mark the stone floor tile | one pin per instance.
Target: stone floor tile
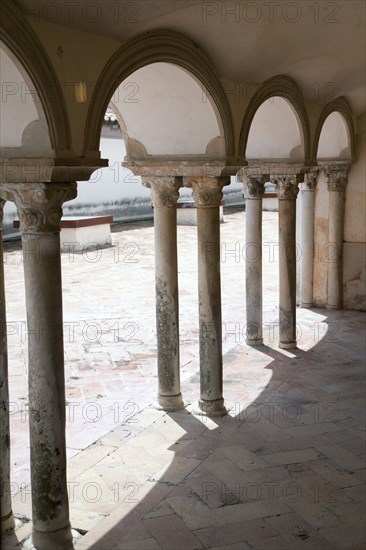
(347, 539)
(250, 510)
(177, 470)
(291, 457)
(195, 513)
(297, 532)
(313, 512)
(244, 458)
(252, 532)
(145, 544)
(235, 546)
(172, 533)
(357, 493)
(342, 457)
(334, 473)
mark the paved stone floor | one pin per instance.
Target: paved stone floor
(284, 470)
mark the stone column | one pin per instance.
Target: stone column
(287, 188)
(337, 183)
(207, 194)
(165, 193)
(307, 189)
(253, 187)
(39, 209)
(7, 519)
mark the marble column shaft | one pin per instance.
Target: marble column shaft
(207, 194)
(287, 187)
(307, 189)
(337, 183)
(40, 210)
(7, 519)
(165, 193)
(253, 187)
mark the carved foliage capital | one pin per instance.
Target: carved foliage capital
(253, 186)
(336, 180)
(164, 190)
(207, 192)
(310, 181)
(39, 205)
(287, 187)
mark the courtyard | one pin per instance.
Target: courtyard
(284, 469)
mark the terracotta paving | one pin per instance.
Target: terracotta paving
(285, 469)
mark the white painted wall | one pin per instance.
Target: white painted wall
(22, 132)
(333, 138)
(166, 110)
(274, 132)
(17, 108)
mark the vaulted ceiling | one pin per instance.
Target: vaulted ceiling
(321, 45)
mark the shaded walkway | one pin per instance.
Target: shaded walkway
(284, 470)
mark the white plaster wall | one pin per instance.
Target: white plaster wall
(333, 138)
(274, 132)
(166, 110)
(17, 106)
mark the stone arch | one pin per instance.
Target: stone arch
(284, 87)
(154, 47)
(340, 106)
(33, 61)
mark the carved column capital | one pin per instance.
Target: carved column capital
(336, 179)
(253, 186)
(39, 205)
(310, 181)
(207, 192)
(164, 190)
(287, 186)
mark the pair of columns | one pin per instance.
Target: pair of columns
(40, 209)
(207, 194)
(336, 179)
(287, 186)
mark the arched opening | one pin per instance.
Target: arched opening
(24, 130)
(275, 133)
(161, 112)
(166, 112)
(334, 139)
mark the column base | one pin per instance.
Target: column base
(287, 345)
(57, 540)
(255, 342)
(211, 408)
(303, 305)
(170, 403)
(7, 524)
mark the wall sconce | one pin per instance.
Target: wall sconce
(80, 92)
